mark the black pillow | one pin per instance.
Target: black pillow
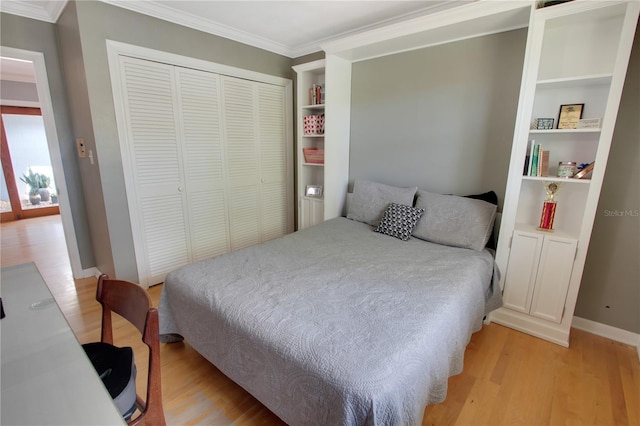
(399, 220)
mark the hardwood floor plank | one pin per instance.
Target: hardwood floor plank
(508, 378)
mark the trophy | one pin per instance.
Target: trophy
(549, 206)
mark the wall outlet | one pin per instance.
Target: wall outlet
(82, 149)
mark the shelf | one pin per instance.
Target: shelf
(313, 136)
(586, 80)
(313, 164)
(317, 106)
(313, 198)
(557, 179)
(565, 131)
(526, 227)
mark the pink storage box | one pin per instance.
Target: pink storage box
(313, 124)
(313, 155)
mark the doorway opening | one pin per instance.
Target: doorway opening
(28, 186)
(24, 80)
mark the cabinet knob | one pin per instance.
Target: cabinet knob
(179, 189)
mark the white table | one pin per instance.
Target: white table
(46, 377)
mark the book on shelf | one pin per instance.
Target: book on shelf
(316, 94)
(536, 163)
(543, 162)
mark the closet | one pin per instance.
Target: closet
(206, 159)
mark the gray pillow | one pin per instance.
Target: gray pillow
(370, 200)
(454, 221)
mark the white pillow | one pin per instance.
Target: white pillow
(454, 221)
(370, 200)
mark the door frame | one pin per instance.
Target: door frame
(46, 107)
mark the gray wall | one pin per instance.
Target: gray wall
(441, 118)
(85, 26)
(38, 36)
(610, 291)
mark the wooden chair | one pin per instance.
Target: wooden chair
(133, 303)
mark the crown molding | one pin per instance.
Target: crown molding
(169, 14)
(49, 11)
(160, 11)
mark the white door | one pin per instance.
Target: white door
(199, 101)
(205, 162)
(274, 196)
(155, 184)
(241, 144)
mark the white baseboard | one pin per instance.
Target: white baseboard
(613, 333)
(89, 272)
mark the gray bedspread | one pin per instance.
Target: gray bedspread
(335, 324)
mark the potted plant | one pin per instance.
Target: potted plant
(43, 190)
(38, 186)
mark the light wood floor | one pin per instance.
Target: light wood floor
(509, 378)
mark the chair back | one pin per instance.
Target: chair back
(134, 304)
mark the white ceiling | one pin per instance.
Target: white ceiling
(292, 28)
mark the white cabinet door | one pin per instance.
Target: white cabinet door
(554, 274)
(521, 270)
(538, 274)
(312, 212)
(153, 166)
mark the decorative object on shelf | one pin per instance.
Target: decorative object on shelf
(313, 155)
(549, 206)
(543, 123)
(589, 123)
(566, 169)
(314, 191)
(547, 3)
(569, 116)
(584, 170)
(313, 124)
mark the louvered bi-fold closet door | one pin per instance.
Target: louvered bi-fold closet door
(273, 160)
(156, 182)
(202, 147)
(255, 136)
(241, 146)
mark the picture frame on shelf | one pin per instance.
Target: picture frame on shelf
(569, 116)
(589, 123)
(543, 123)
(314, 191)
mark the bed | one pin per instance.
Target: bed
(335, 324)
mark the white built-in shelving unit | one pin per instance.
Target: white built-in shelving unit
(577, 53)
(310, 208)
